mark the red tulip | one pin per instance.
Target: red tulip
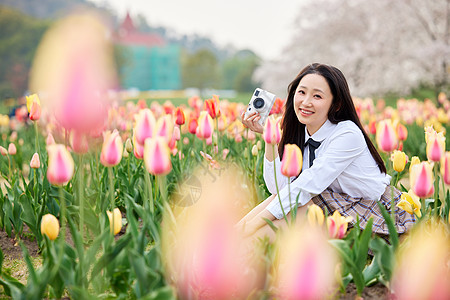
(179, 116)
(193, 125)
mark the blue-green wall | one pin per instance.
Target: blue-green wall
(156, 68)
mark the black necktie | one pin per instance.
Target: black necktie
(313, 145)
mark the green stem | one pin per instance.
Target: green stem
(36, 137)
(111, 195)
(276, 184)
(392, 205)
(148, 201)
(436, 188)
(80, 195)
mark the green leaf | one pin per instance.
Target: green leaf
(390, 224)
(271, 225)
(363, 245)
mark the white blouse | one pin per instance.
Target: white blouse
(343, 164)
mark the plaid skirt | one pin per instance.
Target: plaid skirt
(364, 209)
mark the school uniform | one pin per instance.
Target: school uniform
(343, 176)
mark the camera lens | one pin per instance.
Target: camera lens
(258, 103)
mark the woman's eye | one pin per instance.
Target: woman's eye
(318, 96)
(301, 92)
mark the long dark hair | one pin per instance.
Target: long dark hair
(341, 109)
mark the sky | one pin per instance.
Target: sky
(263, 26)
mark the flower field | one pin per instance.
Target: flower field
(141, 200)
(171, 182)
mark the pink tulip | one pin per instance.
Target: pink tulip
(157, 156)
(112, 149)
(50, 140)
(205, 126)
(3, 151)
(60, 164)
(272, 133)
(421, 179)
(225, 153)
(386, 136)
(292, 162)
(164, 127)
(435, 146)
(305, 267)
(12, 150)
(445, 168)
(337, 225)
(402, 132)
(144, 126)
(138, 149)
(79, 142)
(176, 133)
(35, 163)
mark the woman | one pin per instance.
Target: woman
(341, 170)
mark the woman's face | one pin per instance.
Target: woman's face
(312, 101)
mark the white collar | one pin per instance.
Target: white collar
(323, 132)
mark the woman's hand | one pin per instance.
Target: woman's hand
(252, 122)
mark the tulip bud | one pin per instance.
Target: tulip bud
(12, 150)
(115, 221)
(315, 215)
(179, 116)
(193, 126)
(435, 146)
(35, 162)
(128, 145)
(60, 164)
(144, 126)
(176, 135)
(112, 149)
(272, 134)
(31, 99)
(50, 226)
(386, 136)
(399, 160)
(292, 161)
(414, 161)
(421, 179)
(205, 126)
(3, 151)
(50, 140)
(402, 132)
(255, 150)
(35, 112)
(259, 145)
(445, 167)
(157, 156)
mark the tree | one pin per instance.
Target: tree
(237, 72)
(200, 70)
(381, 46)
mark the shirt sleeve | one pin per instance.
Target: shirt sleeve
(342, 149)
(269, 175)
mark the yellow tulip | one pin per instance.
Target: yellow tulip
(399, 160)
(50, 226)
(410, 203)
(414, 161)
(315, 215)
(117, 220)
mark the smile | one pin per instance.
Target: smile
(306, 112)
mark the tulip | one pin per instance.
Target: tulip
(179, 116)
(315, 215)
(337, 225)
(138, 149)
(35, 110)
(50, 226)
(116, 220)
(3, 151)
(60, 164)
(157, 156)
(386, 136)
(421, 179)
(304, 268)
(399, 160)
(34, 98)
(112, 149)
(435, 146)
(128, 145)
(402, 132)
(12, 150)
(205, 126)
(193, 126)
(212, 107)
(414, 161)
(13, 136)
(144, 126)
(410, 203)
(292, 161)
(176, 135)
(372, 127)
(35, 162)
(445, 167)
(79, 142)
(164, 127)
(225, 153)
(272, 133)
(50, 140)
(255, 150)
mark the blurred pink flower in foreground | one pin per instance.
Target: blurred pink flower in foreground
(423, 263)
(304, 268)
(60, 164)
(73, 70)
(292, 161)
